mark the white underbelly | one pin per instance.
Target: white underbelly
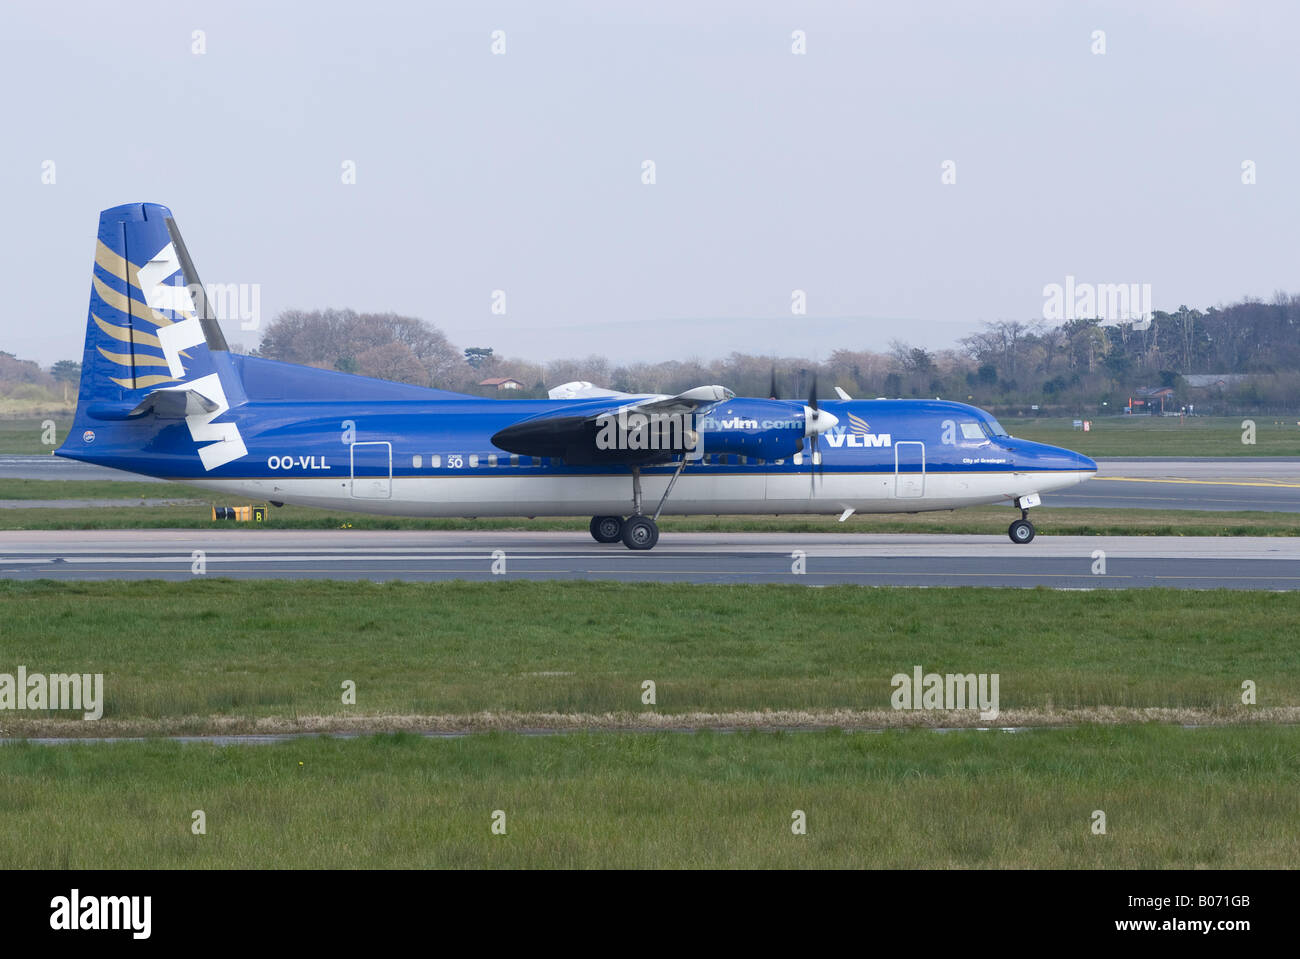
(542, 494)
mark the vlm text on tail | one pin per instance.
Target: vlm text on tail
(156, 374)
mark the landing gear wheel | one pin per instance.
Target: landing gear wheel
(1021, 531)
(607, 529)
(640, 532)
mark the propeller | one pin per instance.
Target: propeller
(772, 392)
(815, 425)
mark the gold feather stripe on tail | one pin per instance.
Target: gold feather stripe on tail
(128, 305)
(125, 359)
(119, 266)
(126, 334)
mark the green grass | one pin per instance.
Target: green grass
(125, 489)
(1173, 798)
(1164, 436)
(992, 520)
(180, 657)
(25, 434)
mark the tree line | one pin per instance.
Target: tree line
(1078, 366)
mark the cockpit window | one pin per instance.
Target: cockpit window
(994, 428)
(972, 431)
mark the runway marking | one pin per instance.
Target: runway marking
(1270, 484)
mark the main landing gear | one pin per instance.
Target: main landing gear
(1022, 531)
(637, 531)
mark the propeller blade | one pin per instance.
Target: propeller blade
(772, 391)
(815, 415)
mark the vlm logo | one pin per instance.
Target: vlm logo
(858, 435)
(223, 439)
(738, 423)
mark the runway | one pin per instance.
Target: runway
(1062, 562)
(1204, 483)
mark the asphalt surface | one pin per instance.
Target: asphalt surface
(864, 559)
(1206, 483)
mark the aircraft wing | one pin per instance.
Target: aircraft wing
(576, 437)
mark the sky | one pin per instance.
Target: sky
(522, 169)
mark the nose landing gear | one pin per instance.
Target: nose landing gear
(1022, 531)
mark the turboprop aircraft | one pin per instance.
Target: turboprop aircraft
(162, 394)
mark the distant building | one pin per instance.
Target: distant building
(1212, 381)
(502, 383)
(1153, 398)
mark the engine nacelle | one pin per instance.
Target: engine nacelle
(764, 429)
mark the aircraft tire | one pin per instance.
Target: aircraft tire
(607, 529)
(640, 532)
(1021, 531)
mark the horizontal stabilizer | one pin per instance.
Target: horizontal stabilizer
(175, 403)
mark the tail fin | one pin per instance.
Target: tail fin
(154, 348)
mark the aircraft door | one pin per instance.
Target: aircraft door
(909, 469)
(372, 470)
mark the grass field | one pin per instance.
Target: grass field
(123, 489)
(1164, 436)
(26, 434)
(219, 655)
(1173, 798)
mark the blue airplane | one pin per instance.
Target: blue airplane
(162, 395)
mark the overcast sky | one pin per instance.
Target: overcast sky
(774, 171)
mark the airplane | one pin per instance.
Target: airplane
(161, 394)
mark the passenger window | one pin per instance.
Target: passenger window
(492, 459)
(435, 461)
(473, 460)
(417, 461)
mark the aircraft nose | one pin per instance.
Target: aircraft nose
(1085, 463)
